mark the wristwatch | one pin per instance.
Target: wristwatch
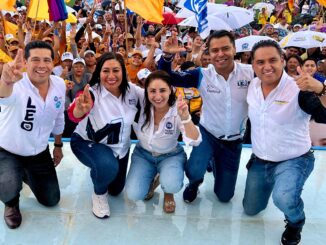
(60, 145)
(323, 92)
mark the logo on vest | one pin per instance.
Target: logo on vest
(243, 83)
(168, 128)
(212, 89)
(27, 124)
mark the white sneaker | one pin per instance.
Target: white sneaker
(101, 208)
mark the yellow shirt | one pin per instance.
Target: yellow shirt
(262, 18)
(192, 95)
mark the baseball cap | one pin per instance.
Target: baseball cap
(79, 60)
(67, 56)
(297, 25)
(12, 48)
(129, 36)
(23, 8)
(89, 52)
(98, 26)
(143, 73)
(11, 40)
(150, 33)
(137, 52)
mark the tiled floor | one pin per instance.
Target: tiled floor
(206, 221)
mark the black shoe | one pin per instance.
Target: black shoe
(191, 191)
(291, 235)
(12, 216)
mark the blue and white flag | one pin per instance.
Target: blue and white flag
(199, 7)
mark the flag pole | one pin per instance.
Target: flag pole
(126, 27)
(38, 4)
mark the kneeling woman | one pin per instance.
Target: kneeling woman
(160, 122)
(101, 141)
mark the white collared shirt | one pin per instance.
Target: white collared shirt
(26, 120)
(165, 138)
(279, 127)
(225, 109)
(109, 121)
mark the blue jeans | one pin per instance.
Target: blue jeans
(284, 179)
(226, 163)
(37, 171)
(144, 166)
(108, 173)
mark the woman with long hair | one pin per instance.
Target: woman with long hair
(105, 112)
(158, 127)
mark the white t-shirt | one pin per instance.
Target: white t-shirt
(279, 127)
(109, 121)
(26, 120)
(165, 138)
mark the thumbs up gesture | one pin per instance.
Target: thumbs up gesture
(182, 107)
(83, 102)
(12, 71)
(306, 82)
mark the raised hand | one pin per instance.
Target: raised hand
(171, 46)
(306, 82)
(182, 107)
(83, 102)
(12, 71)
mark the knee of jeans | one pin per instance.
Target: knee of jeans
(135, 195)
(222, 197)
(50, 200)
(284, 201)
(195, 170)
(116, 190)
(171, 186)
(250, 209)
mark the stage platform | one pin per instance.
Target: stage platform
(206, 221)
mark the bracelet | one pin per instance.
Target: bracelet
(323, 92)
(188, 120)
(60, 145)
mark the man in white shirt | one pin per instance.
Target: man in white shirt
(223, 87)
(31, 108)
(280, 109)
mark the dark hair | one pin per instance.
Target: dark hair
(266, 44)
(95, 80)
(172, 98)
(220, 34)
(297, 57)
(186, 65)
(309, 58)
(35, 45)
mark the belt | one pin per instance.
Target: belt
(263, 161)
(226, 137)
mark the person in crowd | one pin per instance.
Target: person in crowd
(158, 127)
(310, 66)
(32, 107)
(292, 62)
(222, 83)
(282, 160)
(105, 112)
(65, 66)
(262, 17)
(75, 81)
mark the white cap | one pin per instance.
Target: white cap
(23, 8)
(89, 52)
(19, 9)
(67, 56)
(79, 60)
(98, 26)
(143, 73)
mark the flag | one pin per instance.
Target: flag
(10, 28)
(151, 10)
(322, 2)
(291, 5)
(8, 5)
(200, 9)
(38, 9)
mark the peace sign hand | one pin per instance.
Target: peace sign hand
(83, 103)
(12, 71)
(182, 107)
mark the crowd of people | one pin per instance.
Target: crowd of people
(110, 78)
